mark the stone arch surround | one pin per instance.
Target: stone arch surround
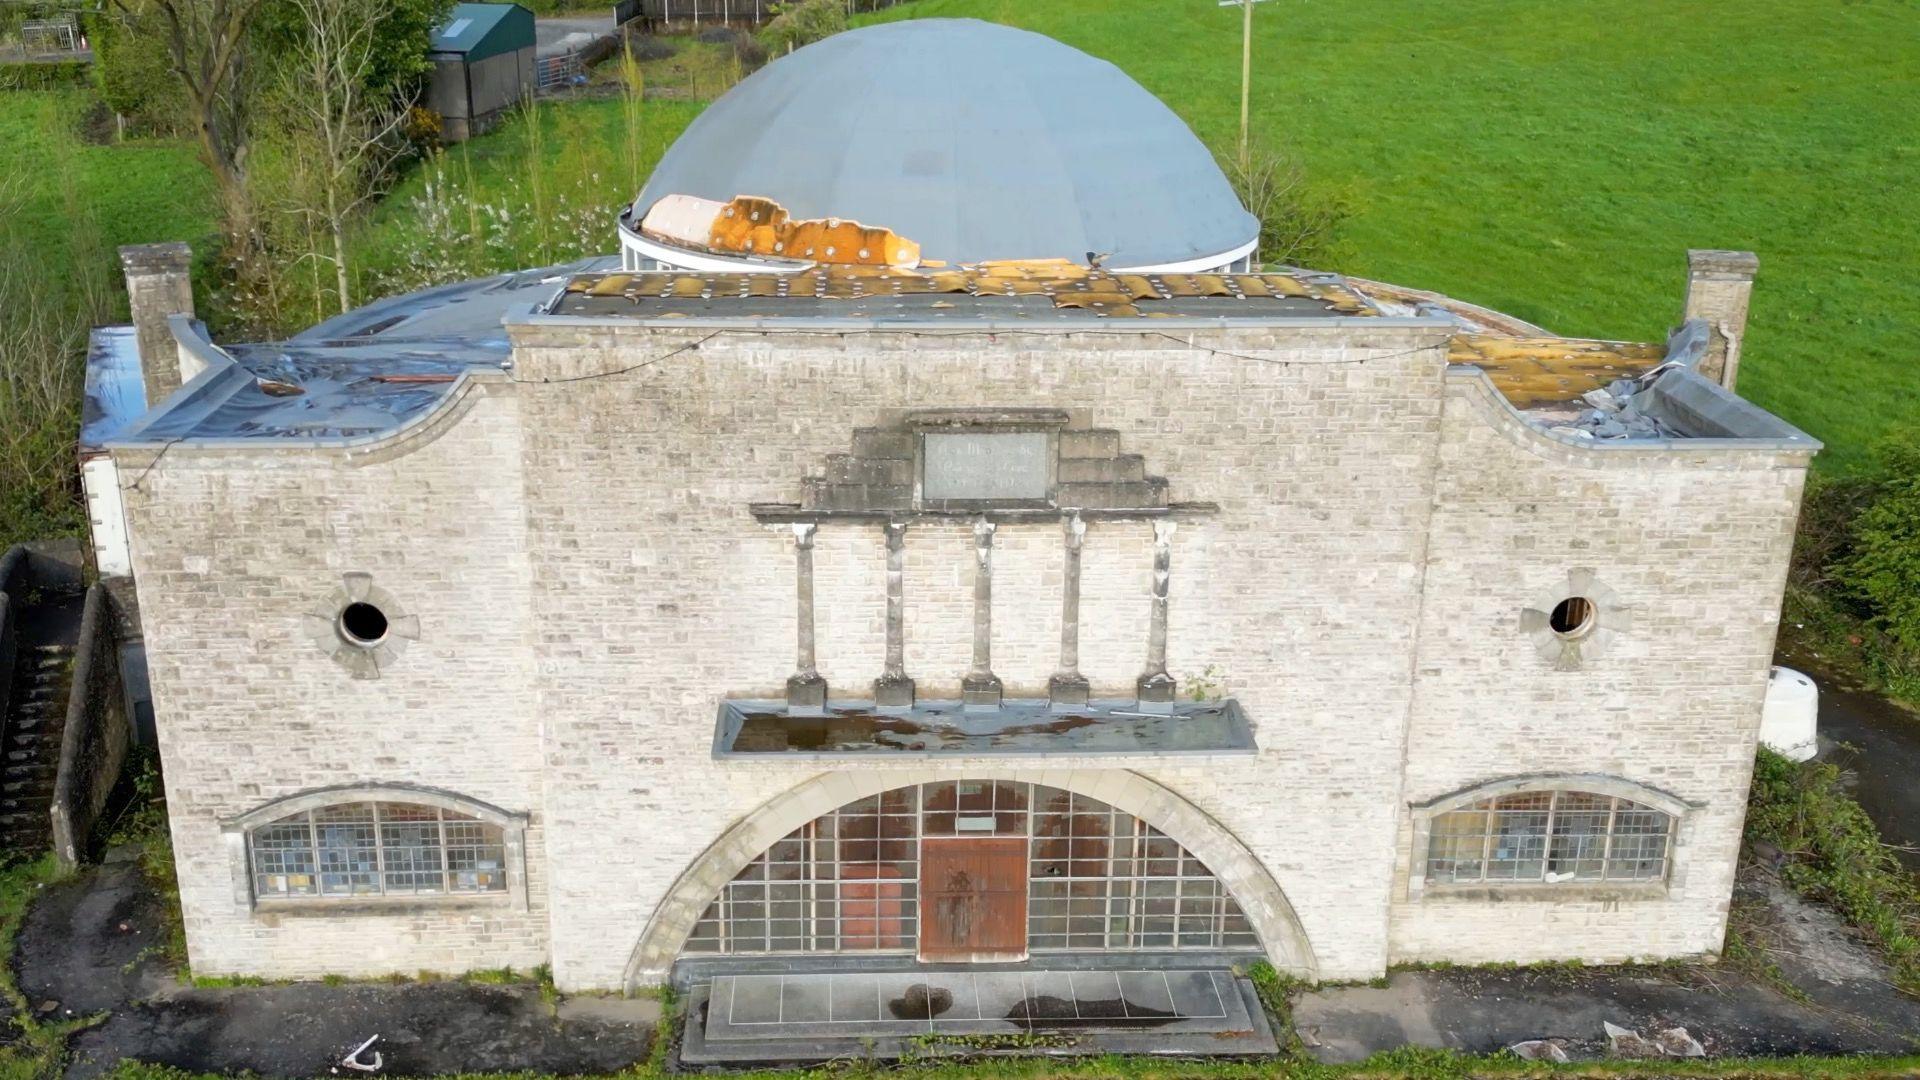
(1259, 895)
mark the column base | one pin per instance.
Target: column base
(893, 692)
(1156, 692)
(1067, 691)
(980, 692)
(806, 694)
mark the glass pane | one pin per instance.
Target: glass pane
(1455, 847)
(348, 852)
(1579, 846)
(283, 859)
(1518, 850)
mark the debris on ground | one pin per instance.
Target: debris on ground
(1540, 1050)
(1676, 1042)
(352, 1061)
(1667, 1042)
(1628, 1043)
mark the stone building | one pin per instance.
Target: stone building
(999, 573)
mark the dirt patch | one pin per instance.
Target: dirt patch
(91, 945)
(1837, 998)
(305, 1029)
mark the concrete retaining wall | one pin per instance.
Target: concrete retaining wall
(12, 579)
(94, 745)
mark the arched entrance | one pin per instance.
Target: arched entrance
(989, 867)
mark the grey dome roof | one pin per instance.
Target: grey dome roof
(977, 141)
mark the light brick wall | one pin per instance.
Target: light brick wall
(590, 583)
(660, 593)
(1695, 545)
(231, 550)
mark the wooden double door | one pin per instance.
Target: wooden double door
(973, 899)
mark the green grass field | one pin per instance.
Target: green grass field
(78, 198)
(1555, 159)
(1549, 159)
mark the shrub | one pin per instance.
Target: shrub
(646, 47)
(719, 35)
(43, 76)
(1881, 568)
(1834, 854)
(749, 53)
(132, 74)
(803, 22)
(1299, 221)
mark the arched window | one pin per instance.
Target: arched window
(869, 877)
(377, 849)
(377, 842)
(1547, 835)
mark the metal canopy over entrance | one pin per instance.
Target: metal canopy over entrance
(971, 871)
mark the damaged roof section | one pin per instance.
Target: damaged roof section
(755, 226)
(356, 375)
(1535, 371)
(1045, 289)
(372, 370)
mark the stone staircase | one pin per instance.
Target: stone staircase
(30, 746)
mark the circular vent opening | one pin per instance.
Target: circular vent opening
(363, 624)
(1572, 617)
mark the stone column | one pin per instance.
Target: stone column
(806, 689)
(1068, 688)
(981, 689)
(1719, 284)
(1156, 688)
(159, 284)
(893, 690)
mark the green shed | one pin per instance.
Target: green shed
(482, 66)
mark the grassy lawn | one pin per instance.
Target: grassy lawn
(81, 200)
(1555, 160)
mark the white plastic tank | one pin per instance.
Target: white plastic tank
(1789, 723)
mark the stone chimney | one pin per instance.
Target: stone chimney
(1719, 284)
(159, 285)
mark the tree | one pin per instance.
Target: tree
(338, 117)
(207, 49)
(398, 64)
(1883, 570)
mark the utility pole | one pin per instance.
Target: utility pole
(1246, 70)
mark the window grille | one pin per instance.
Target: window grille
(1551, 837)
(1098, 878)
(372, 849)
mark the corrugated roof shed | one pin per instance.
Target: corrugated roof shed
(477, 31)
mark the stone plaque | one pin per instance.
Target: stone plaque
(980, 466)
